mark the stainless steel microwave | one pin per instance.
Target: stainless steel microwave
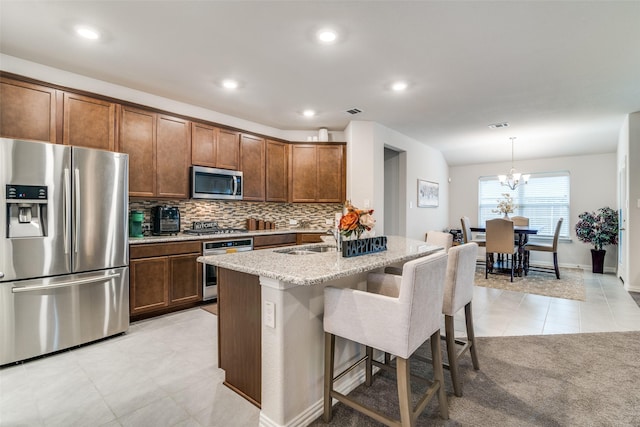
(213, 183)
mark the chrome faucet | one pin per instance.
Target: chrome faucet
(335, 232)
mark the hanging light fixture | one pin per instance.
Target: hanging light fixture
(513, 179)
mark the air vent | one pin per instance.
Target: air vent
(354, 111)
(499, 125)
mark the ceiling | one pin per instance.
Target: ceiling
(562, 74)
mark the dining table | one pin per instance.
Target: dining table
(523, 233)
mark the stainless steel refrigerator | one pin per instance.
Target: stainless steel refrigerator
(64, 251)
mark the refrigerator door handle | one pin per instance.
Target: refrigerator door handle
(76, 189)
(65, 215)
(19, 289)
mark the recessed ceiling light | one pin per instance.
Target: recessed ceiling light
(230, 84)
(399, 86)
(327, 36)
(87, 32)
(309, 113)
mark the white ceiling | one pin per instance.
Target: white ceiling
(563, 74)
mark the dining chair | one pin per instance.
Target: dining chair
(396, 314)
(500, 241)
(544, 247)
(520, 221)
(466, 232)
(458, 293)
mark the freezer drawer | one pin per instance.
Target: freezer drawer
(46, 315)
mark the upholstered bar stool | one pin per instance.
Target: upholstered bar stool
(396, 314)
(458, 293)
(436, 238)
(439, 238)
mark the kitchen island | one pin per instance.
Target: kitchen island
(270, 332)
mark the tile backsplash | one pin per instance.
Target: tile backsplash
(234, 214)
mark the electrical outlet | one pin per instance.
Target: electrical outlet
(270, 314)
(293, 222)
(328, 222)
(146, 226)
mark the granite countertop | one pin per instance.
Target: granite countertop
(305, 270)
(181, 237)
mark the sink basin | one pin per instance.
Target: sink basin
(309, 251)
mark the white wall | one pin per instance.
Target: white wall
(593, 185)
(365, 179)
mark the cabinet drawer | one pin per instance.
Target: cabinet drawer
(147, 250)
(274, 240)
(309, 238)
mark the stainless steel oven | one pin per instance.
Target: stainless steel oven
(219, 247)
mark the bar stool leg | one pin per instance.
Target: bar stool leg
(438, 374)
(369, 367)
(329, 347)
(452, 355)
(404, 392)
(471, 336)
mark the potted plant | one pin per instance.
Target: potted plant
(600, 228)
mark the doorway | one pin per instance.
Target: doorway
(394, 192)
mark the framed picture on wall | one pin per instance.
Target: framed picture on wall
(428, 194)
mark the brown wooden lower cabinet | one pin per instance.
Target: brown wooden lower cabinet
(164, 277)
(274, 240)
(239, 332)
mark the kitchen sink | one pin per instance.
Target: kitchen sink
(308, 251)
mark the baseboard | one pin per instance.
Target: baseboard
(314, 411)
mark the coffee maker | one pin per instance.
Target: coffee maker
(166, 220)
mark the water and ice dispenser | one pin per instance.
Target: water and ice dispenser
(26, 211)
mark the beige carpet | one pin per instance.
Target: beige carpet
(570, 285)
(573, 380)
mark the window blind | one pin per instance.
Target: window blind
(544, 200)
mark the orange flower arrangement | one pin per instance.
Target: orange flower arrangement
(356, 220)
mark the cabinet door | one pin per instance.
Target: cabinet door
(186, 279)
(89, 122)
(138, 140)
(228, 154)
(303, 176)
(204, 145)
(252, 166)
(276, 171)
(173, 157)
(330, 174)
(149, 287)
(27, 111)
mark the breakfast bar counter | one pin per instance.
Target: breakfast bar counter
(270, 332)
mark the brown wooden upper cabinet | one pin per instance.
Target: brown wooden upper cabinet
(159, 150)
(252, 165)
(277, 165)
(228, 154)
(173, 157)
(317, 173)
(89, 122)
(214, 147)
(27, 111)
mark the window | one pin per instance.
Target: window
(544, 200)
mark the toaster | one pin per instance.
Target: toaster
(166, 220)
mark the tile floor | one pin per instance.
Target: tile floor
(163, 372)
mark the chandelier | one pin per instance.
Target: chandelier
(513, 179)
